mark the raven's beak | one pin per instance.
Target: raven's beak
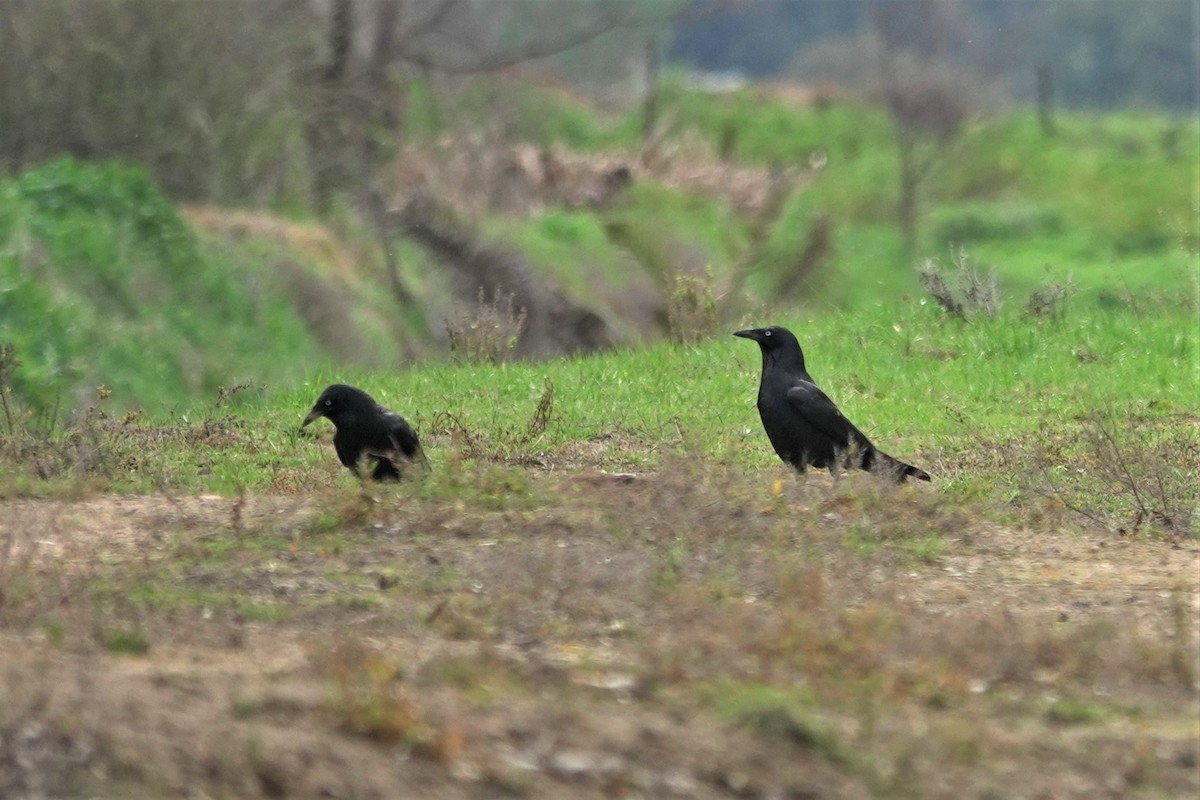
(312, 415)
(750, 333)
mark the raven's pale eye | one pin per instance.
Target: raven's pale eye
(328, 403)
(766, 333)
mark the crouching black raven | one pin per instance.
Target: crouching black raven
(803, 424)
(367, 429)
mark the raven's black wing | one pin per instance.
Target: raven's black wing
(404, 436)
(820, 412)
(402, 442)
(807, 400)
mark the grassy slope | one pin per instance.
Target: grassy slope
(104, 283)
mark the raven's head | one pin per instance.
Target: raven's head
(338, 402)
(778, 345)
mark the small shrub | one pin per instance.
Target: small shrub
(490, 334)
(964, 293)
(368, 697)
(778, 714)
(43, 447)
(691, 309)
(1050, 301)
(132, 643)
(1075, 712)
(1125, 474)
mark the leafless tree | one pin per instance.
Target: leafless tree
(926, 99)
(363, 91)
(229, 100)
(202, 95)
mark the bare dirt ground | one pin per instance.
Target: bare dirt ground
(602, 637)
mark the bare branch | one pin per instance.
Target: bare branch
(468, 57)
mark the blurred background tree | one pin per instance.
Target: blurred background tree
(278, 101)
(1104, 53)
(289, 101)
(286, 102)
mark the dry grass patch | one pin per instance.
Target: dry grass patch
(695, 631)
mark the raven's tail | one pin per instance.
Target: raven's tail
(898, 469)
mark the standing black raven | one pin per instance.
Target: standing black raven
(365, 428)
(803, 424)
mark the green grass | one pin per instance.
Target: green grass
(769, 711)
(983, 406)
(1082, 204)
(1069, 711)
(126, 642)
(1106, 204)
(1006, 375)
(1107, 201)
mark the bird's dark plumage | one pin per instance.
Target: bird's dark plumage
(803, 424)
(367, 429)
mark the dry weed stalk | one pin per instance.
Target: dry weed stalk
(966, 292)
(511, 444)
(9, 363)
(490, 334)
(1133, 476)
(1050, 300)
(541, 415)
(691, 309)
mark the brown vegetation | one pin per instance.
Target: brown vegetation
(589, 636)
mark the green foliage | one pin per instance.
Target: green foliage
(778, 713)
(66, 190)
(101, 281)
(1107, 201)
(570, 247)
(1069, 711)
(975, 222)
(126, 642)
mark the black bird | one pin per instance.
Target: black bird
(803, 424)
(365, 428)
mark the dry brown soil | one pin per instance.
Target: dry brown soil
(586, 647)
